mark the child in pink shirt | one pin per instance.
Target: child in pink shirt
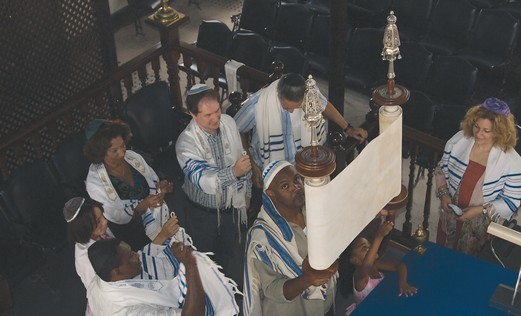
(363, 255)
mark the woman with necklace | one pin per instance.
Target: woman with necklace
(128, 188)
(478, 179)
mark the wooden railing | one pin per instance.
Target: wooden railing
(105, 99)
(209, 63)
(425, 151)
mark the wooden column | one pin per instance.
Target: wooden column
(337, 53)
(169, 36)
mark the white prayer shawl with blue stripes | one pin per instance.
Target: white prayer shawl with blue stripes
(120, 211)
(271, 241)
(199, 165)
(281, 134)
(502, 178)
(160, 289)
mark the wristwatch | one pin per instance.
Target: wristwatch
(348, 127)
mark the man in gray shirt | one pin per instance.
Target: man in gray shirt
(277, 277)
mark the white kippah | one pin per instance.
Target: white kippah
(272, 170)
(72, 208)
(198, 88)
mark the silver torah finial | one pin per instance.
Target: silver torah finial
(391, 42)
(311, 108)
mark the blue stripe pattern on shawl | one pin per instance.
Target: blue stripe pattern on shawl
(287, 233)
(194, 170)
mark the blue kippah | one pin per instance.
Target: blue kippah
(93, 127)
(198, 88)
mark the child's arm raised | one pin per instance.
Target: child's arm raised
(361, 275)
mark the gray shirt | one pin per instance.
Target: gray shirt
(272, 282)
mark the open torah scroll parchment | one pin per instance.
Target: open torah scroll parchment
(338, 211)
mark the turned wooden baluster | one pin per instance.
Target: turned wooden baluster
(428, 194)
(407, 225)
(156, 68)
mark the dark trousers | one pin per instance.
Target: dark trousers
(202, 227)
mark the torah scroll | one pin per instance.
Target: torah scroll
(338, 211)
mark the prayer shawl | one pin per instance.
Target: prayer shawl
(120, 211)
(160, 289)
(81, 259)
(281, 134)
(502, 178)
(196, 159)
(230, 69)
(271, 241)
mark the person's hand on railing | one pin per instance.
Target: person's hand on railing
(357, 133)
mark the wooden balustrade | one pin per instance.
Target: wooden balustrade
(425, 151)
(104, 99)
(210, 66)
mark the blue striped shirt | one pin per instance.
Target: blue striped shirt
(224, 175)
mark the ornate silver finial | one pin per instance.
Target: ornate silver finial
(391, 39)
(391, 50)
(311, 108)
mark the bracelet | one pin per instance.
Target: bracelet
(348, 127)
(442, 192)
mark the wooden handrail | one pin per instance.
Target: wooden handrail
(190, 51)
(426, 140)
(431, 148)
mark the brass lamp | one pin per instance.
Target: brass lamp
(166, 14)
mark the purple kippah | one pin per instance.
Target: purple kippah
(497, 106)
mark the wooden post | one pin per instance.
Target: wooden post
(169, 36)
(337, 53)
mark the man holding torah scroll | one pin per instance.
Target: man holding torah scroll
(277, 277)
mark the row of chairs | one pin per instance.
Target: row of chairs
(489, 47)
(483, 33)
(244, 46)
(32, 199)
(372, 13)
(438, 86)
(486, 37)
(301, 24)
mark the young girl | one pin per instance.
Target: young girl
(86, 224)
(363, 256)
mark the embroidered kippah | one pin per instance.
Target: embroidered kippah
(72, 208)
(93, 127)
(497, 106)
(198, 88)
(272, 170)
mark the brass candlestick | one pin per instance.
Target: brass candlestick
(166, 14)
(420, 236)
